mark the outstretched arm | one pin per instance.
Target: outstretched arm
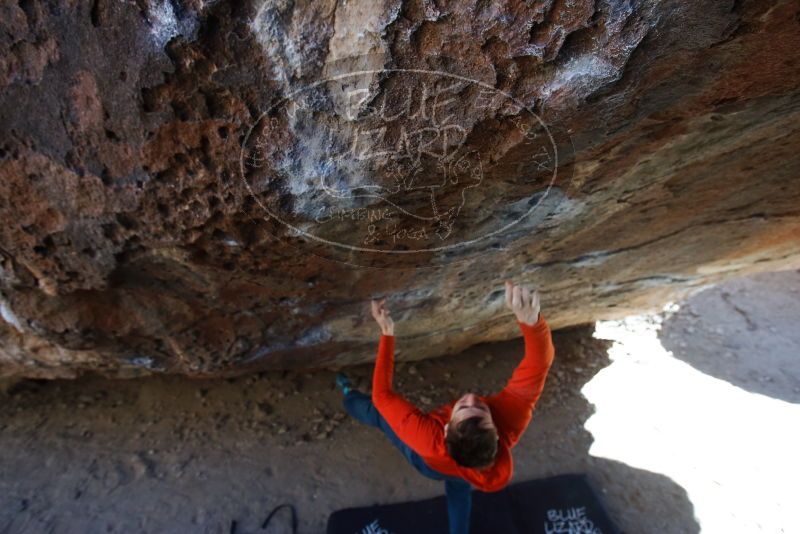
(513, 406)
(527, 380)
(411, 425)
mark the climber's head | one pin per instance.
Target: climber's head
(470, 435)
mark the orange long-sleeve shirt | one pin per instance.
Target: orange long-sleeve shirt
(512, 410)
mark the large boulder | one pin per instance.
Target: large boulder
(215, 187)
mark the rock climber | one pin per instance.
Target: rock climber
(466, 443)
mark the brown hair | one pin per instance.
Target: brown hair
(470, 444)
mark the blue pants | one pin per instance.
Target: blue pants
(458, 490)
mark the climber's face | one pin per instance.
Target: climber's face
(470, 406)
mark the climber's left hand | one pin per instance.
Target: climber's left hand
(382, 316)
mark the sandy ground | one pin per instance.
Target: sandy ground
(167, 454)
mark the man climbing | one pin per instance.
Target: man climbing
(466, 443)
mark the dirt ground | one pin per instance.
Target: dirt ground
(167, 454)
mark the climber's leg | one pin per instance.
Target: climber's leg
(459, 505)
(459, 492)
(360, 407)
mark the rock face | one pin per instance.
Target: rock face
(214, 187)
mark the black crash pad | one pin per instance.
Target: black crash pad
(564, 504)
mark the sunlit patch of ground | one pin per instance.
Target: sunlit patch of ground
(735, 452)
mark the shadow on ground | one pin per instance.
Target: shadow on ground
(744, 332)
